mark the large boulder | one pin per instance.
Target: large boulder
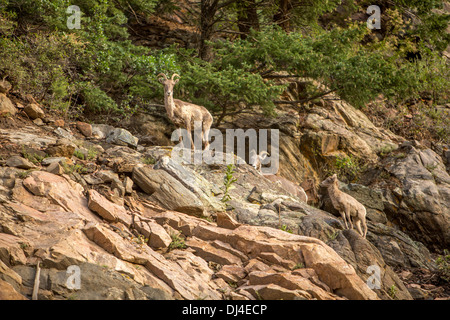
(193, 181)
(122, 137)
(34, 111)
(419, 204)
(85, 128)
(97, 283)
(123, 159)
(167, 191)
(171, 273)
(19, 162)
(361, 254)
(63, 193)
(7, 292)
(5, 86)
(6, 106)
(27, 136)
(107, 210)
(154, 129)
(398, 249)
(62, 148)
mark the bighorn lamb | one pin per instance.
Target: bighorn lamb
(347, 206)
(184, 114)
(255, 159)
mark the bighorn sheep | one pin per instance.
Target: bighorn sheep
(184, 114)
(255, 159)
(347, 206)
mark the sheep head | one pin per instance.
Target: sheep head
(263, 155)
(329, 181)
(168, 83)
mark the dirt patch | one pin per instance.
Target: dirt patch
(429, 281)
(8, 123)
(8, 149)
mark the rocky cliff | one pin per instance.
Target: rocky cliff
(139, 225)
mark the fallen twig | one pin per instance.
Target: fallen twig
(36, 282)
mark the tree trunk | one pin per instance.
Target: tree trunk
(208, 11)
(247, 17)
(282, 17)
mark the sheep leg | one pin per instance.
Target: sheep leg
(364, 224)
(343, 217)
(202, 136)
(188, 128)
(205, 138)
(362, 217)
(358, 227)
(205, 133)
(349, 217)
(192, 142)
(180, 135)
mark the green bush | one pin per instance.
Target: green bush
(218, 86)
(95, 67)
(95, 99)
(99, 70)
(337, 59)
(38, 64)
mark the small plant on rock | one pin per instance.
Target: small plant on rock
(178, 242)
(24, 174)
(386, 150)
(348, 166)
(69, 169)
(140, 241)
(443, 263)
(92, 154)
(332, 236)
(228, 183)
(33, 157)
(393, 291)
(79, 154)
(298, 266)
(148, 160)
(286, 229)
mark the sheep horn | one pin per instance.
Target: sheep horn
(162, 75)
(175, 75)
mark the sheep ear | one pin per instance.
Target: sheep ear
(335, 176)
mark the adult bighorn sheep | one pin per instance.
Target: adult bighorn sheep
(347, 206)
(184, 114)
